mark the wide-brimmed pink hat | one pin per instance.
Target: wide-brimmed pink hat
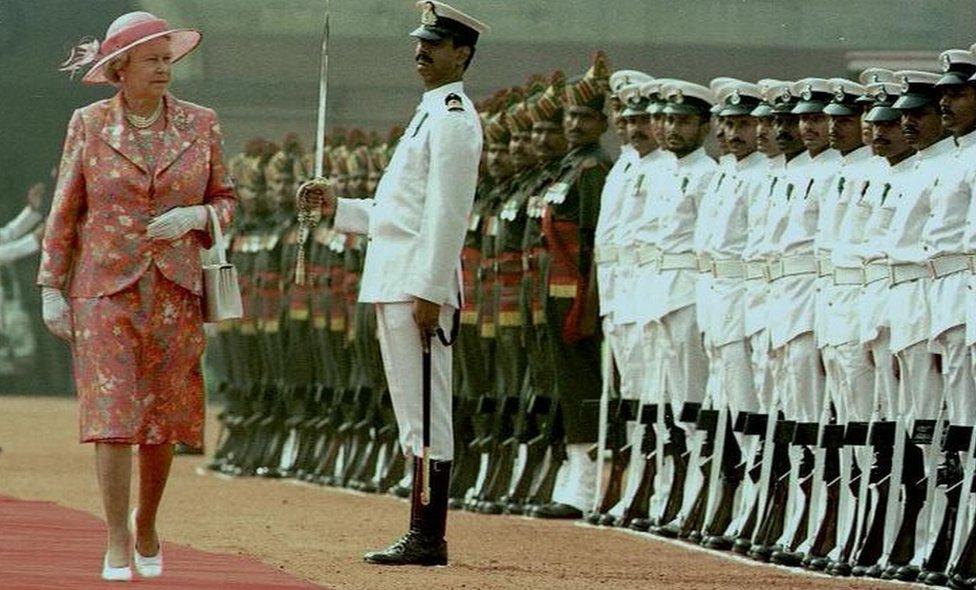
(123, 34)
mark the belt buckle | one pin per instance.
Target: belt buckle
(930, 266)
(714, 268)
(767, 272)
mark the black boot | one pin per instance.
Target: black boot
(424, 543)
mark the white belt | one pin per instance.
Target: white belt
(909, 271)
(875, 271)
(728, 269)
(755, 269)
(685, 261)
(848, 275)
(648, 255)
(606, 254)
(825, 267)
(627, 256)
(949, 264)
(704, 262)
(789, 266)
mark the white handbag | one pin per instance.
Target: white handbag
(221, 291)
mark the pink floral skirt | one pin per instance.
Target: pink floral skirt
(137, 364)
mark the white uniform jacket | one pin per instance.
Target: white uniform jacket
(611, 202)
(841, 226)
(649, 174)
(722, 233)
(668, 224)
(908, 305)
(877, 205)
(754, 255)
(417, 221)
(943, 240)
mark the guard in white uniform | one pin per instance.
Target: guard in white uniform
(850, 376)
(416, 226)
(944, 238)
(920, 384)
(721, 237)
(793, 371)
(655, 167)
(625, 339)
(755, 320)
(667, 277)
(622, 340)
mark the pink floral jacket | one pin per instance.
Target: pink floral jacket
(95, 242)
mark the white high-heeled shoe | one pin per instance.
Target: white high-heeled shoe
(146, 567)
(115, 574)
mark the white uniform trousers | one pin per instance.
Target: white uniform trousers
(629, 356)
(920, 397)
(401, 347)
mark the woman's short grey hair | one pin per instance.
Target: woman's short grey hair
(113, 67)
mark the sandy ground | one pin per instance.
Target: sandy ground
(319, 534)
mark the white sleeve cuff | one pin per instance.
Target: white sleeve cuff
(416, 287)
(352, 216)
(17, 249)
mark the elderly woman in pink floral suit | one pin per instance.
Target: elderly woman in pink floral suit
(121, 271)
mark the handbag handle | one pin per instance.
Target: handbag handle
(218, 235)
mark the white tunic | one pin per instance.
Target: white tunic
(649, 173)
(612, 200)
(417, 221)
(760, 197)
(908, 308)
(668, 223)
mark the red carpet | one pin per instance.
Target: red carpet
(43, 545)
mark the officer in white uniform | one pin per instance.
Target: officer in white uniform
(957, 111)
(877, 206)
(920, 384)
(416, 226)
(755, 320)
(850, 376)
(667, 281)
(654, 168)
(627, 350)
(623, 339)
(944, 238)
(721, 237)
(783, 323)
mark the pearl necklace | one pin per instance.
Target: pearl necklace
(140, 122)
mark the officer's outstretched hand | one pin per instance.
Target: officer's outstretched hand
(426, 314)
(316, 194)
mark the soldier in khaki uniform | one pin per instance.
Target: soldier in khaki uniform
(570, 211)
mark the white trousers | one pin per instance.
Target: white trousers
(401, 347)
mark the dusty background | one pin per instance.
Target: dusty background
(319, 533)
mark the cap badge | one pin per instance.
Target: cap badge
(881, 96)
(679, 96)
(807, 92)
(735, 97)
(428, 18)
(784, 95)
(904, 84)
(946, 62)
(839, 94)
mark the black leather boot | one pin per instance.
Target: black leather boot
(424, 543)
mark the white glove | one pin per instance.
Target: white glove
(56, 313)
(176, 222)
